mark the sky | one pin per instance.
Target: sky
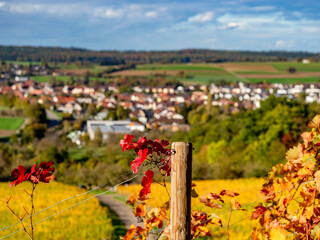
(256, 25)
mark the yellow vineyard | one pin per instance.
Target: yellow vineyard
(240, 224)
(86, 221)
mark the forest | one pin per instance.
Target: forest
(72, 55)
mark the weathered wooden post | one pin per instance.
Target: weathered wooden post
(181, 177)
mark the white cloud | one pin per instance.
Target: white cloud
(233, 25)
(26, 8)
(152, 14)
(263, 8)
(108, 12)
(311, 29)
(210, 40)
(280, 43)
(53, 9)
(202, 17)
(133, 12)
(284, 44)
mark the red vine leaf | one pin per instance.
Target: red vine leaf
(125, 142)
(146, 183)
(135, 164)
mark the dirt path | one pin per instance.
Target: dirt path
(123, 211)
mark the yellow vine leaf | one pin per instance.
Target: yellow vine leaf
(308, 212)
(315, 123)
(278, 234)
(294, 154)
(317, 180)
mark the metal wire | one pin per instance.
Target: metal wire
(257, 200)
(98, 187)
(248, 204)
(110, 189)
(72, 197)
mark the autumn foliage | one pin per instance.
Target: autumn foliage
(291, 204)
(157, 154)
(41, 173)
(38, 173)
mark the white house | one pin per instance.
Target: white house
(118, 127)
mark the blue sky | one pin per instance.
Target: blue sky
(163, 25)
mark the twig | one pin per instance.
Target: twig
(20, 220)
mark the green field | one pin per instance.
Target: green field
(12, 123)
(300, 67)
(179, 67)
(72, 66)
(198, 79)
(255, 72)
(286, 80)
(47, 78)
(24, 63)
(80, 154)
(42, 79)
(202, 73)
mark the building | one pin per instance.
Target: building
(113, 127)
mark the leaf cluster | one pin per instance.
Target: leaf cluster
(291, 205)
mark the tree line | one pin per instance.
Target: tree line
(72, 55)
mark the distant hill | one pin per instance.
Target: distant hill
(58, 54)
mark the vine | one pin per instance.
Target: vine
(291, 206)
(157, 154)
(41, 173)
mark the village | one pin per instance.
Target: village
(144, 107)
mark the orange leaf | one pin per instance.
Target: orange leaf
(140, 210)
(317, 179)
(235, 204)
(307, 138)
(315, 123)
(132, 200)
(130, 233)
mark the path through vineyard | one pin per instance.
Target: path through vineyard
(123, 211)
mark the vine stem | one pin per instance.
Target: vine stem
(20, 219)
(231, 210)
(165, 186)
(32, 209)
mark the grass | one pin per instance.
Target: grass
(178, 67)
(206, 73)
(198, 79)
(87, 221)
(63, 78)
(47, 78)
(249, 190)
(24, 63)
(72, 66)
(10, 123)
(300, 67)
(81, 154)
(285, 80)
(255, 72)
(4, 108)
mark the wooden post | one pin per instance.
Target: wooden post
(181, 177)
